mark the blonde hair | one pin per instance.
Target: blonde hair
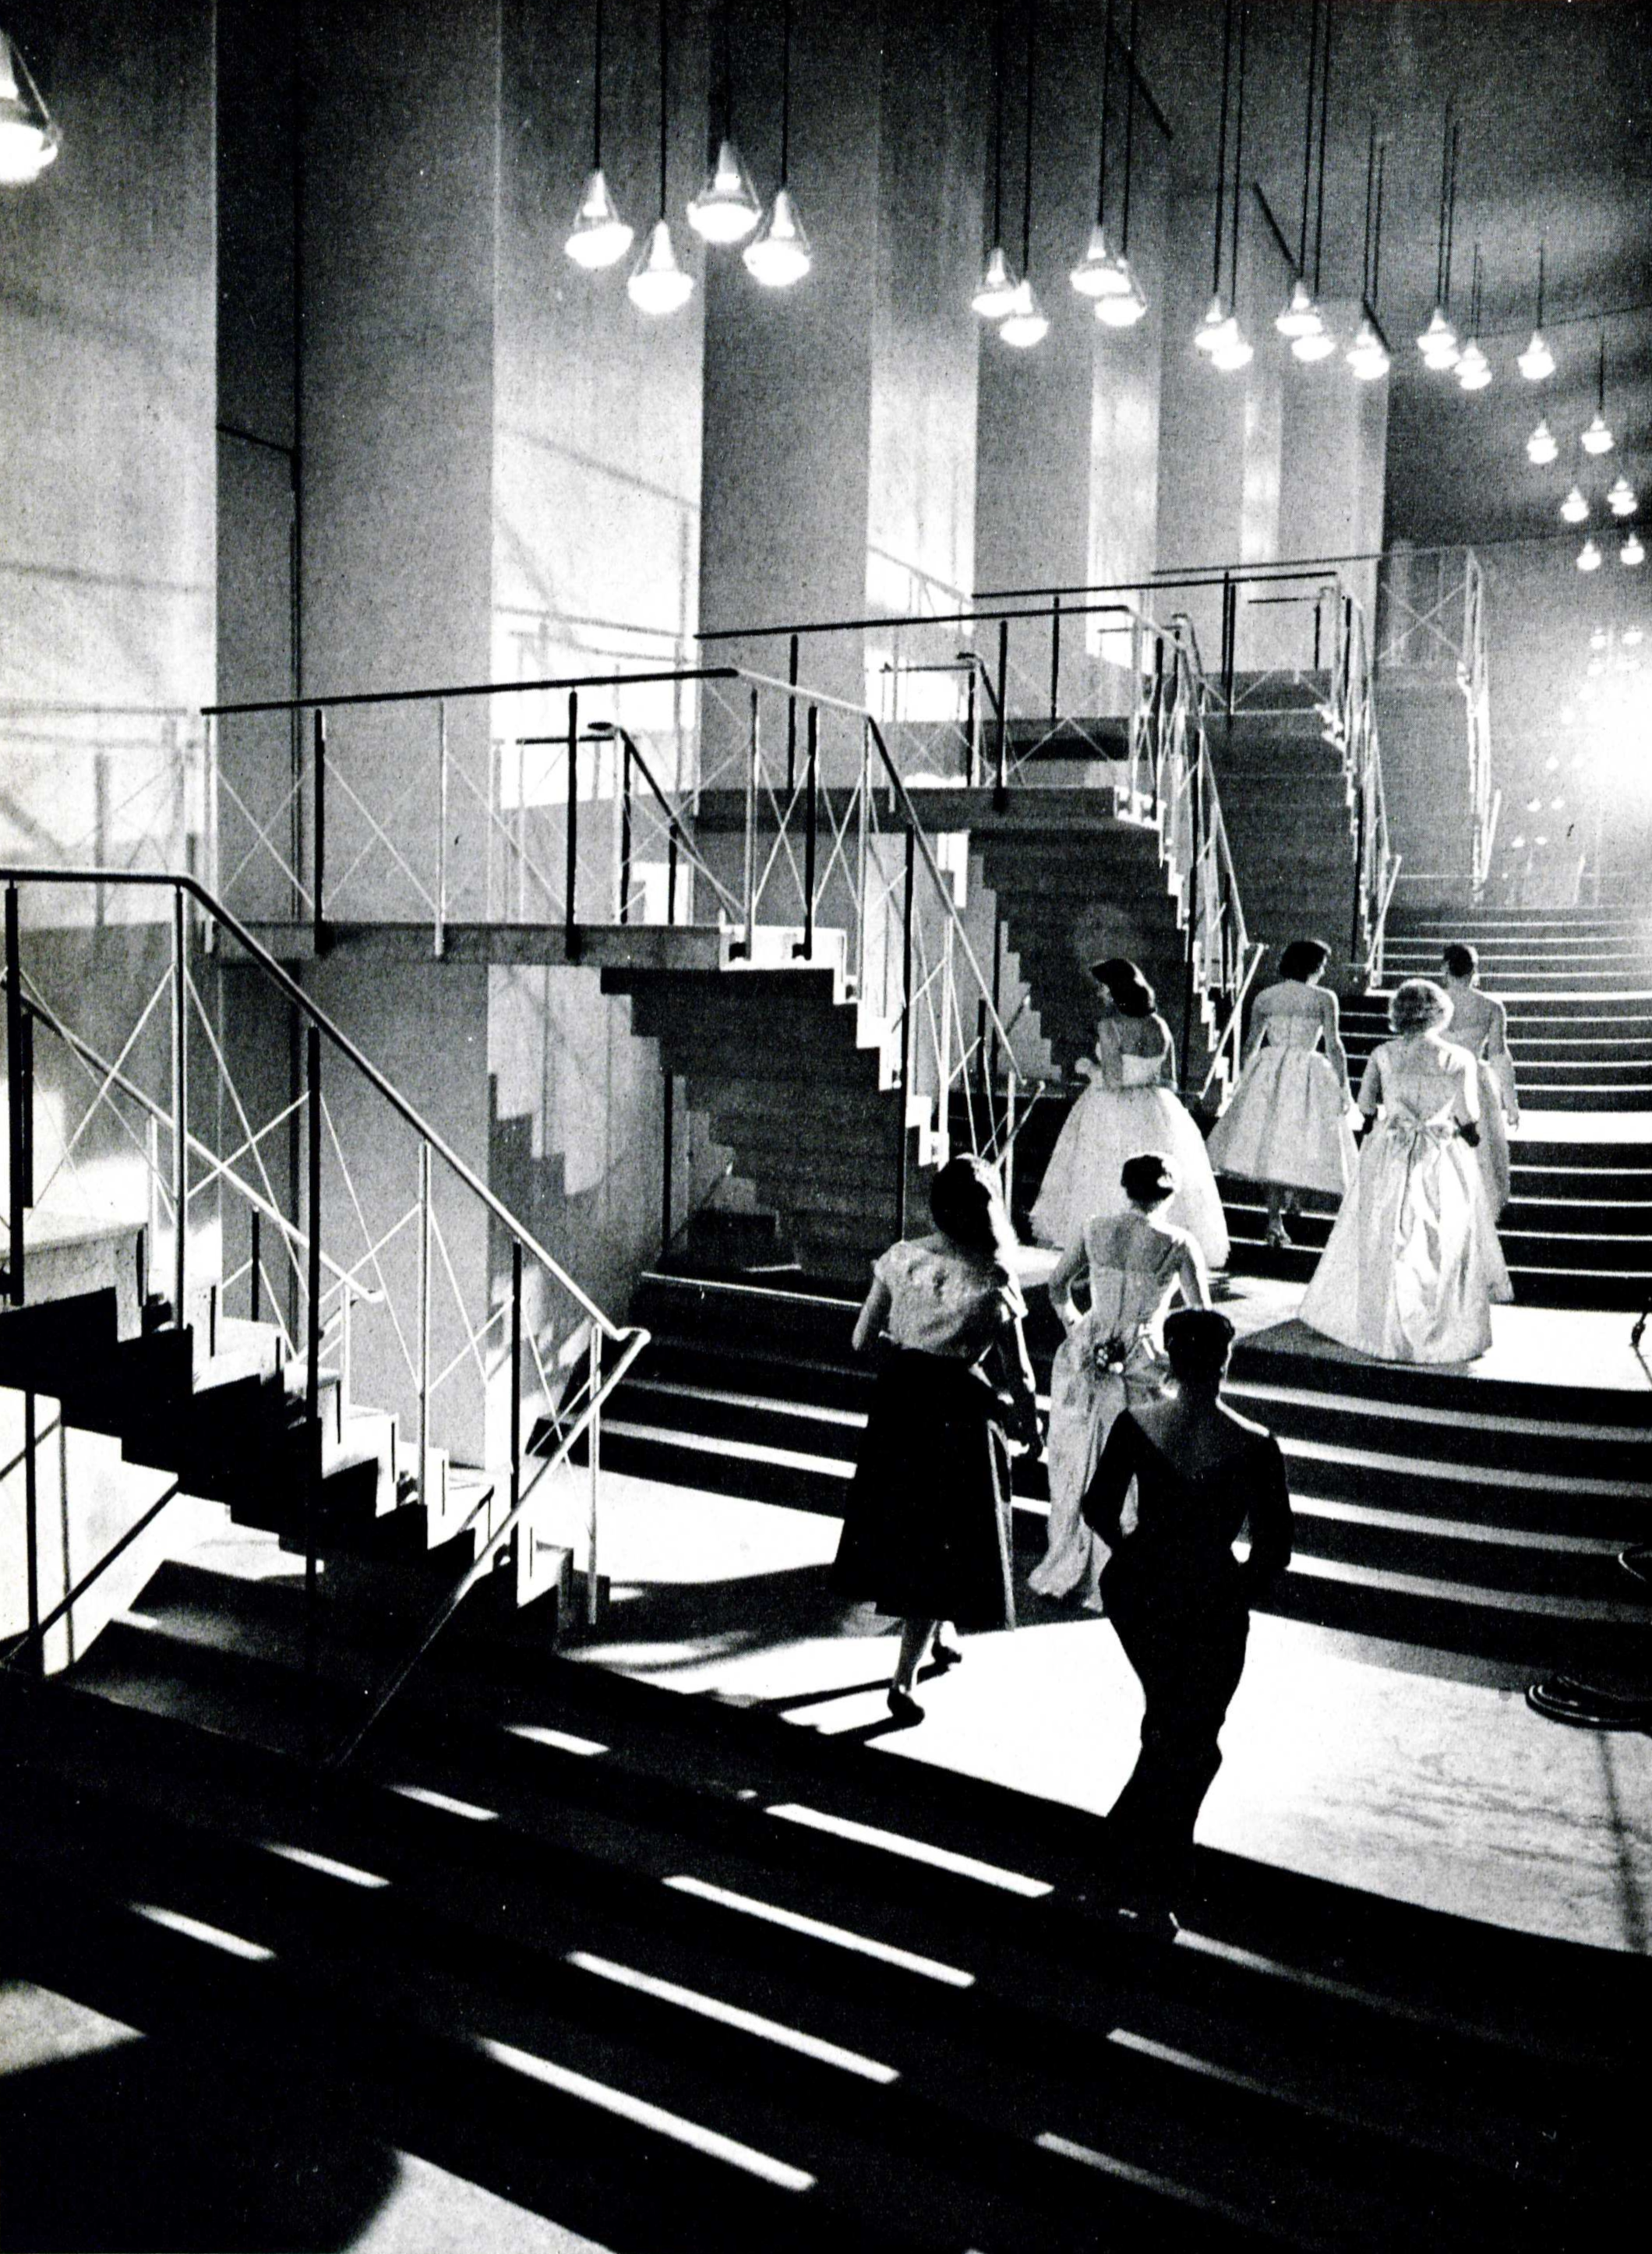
(1418, 1005)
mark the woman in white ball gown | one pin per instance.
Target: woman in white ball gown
(1287, 1125)
(1413, 1264)
(1480, 1025)
(1110, 1359)
(1128, 1110)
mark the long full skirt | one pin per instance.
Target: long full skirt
(1108, 1125)
(1413, 1263)
(926, 1529)
(1287, 1124)
(1086, 1401)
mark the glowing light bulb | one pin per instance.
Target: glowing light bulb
(1537, 362)
(599, 237)
(1437, 343)
(727, 208)
(996, 295)
(1474, 369)
(1596, 437)
(1574, 509)
(1541, 446)
(779, 254)
(1301, 316)
(1123, 308)
(1097, 273)
(1632, 554)
(1620, 498)
(1598, 639)
(1025, 324)
(658, 285)
(1214, 328)
(29, 137)
(1632, 637)
(1588, 556)
(1368, 355)
(1316, 344)
(1233, 352)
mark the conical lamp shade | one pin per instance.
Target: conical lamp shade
(1537, 362)
(1632, 554)
(1542, 447)
(727, 208)
(1301, 316)
(1437, 343)
(1125, 307)
(1215, 326)
(779, 254)
(1025, 324)
(1314, 344)
(1596, 438)
(1621, 497)
(599, 237)
(1574, 509)
(996, 295)
(658, 284)
(1097, 273)
(1474, 369)
(1588, 556)
(1233, 352)
(1368, 355)
(29, 139)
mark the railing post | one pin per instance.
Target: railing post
(748, 886)
(209, 815)
(1002, 782)
(791, 720)
(31, 1526)
(318, 834)
(180, 1110)
(1009, 1086)
(312, 1348)
(1229, 638)
(1055, 659)
(255, 1279)
(862, 852)
(905, 1029)
(522, 1534)
(1356, 931)
(571, 868)
(20, 1105)
(625, 829)
(1190, 993)
(811, 771)
(101, 834)
(153, 1225)
(971, 724)
(424, 1324)
(593, 1443)
(671, 873)
(440, 932)
(667, 1160)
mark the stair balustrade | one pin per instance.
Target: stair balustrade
(1431, 616)
(393, 1291)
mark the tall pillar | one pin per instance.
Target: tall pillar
(839, 414)
(1335, 457)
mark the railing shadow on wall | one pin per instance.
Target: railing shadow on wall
(1432, 620)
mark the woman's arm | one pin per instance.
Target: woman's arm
(870, 1322)
(1260, 1010)
(1074, 1263)
(1166, 1054)
(1371, 1087)
(1466, 1101)
(1331, 1026)
(1103, 1503)
(1502, 1063)
(1108, 1068)
(1193, 1276)
(1272, 1531)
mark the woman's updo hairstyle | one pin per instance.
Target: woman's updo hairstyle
(1198, 1341)
(1303, 958)
(1133, 996)
(968, 1206)
(1148, 1179)
(1418, 1006)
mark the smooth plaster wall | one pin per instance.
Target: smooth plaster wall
(106, 443)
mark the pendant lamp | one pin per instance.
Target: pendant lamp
(1125, 303)
(599, 237)
(658, 285)
(1368, 355)
(1588, 556)
(1474, 369)
(1219, 328)
(726, 209)
(1632, 554)
(1301, 316)
(1575, 510)
(1025, 324)
(996, 295)
(1541, 446)
(1597, 438)
(1621, 497)
(779, 254)
(1096, 274)
(1437, 343)
(28, 136)
(1537, 362)
(1235, 352)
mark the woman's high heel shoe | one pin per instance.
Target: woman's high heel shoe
(903, 1707)
(1278, 1235)
(945, 1654)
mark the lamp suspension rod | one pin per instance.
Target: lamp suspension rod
(1370, 177)
(1600, 376)
(1238, 156)
(1376, 229)
(1026, 165)
(998, 126)
(596, 99)
(726, 70)
(1445, 184)
(1325, 111)
(664, 60)
(1221, 147)
(786, 93)
(1129, 134)
(1542, 247)
(1107, 88)
(1307, 138)
(1450, 212)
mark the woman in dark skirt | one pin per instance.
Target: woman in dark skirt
(926, 1530)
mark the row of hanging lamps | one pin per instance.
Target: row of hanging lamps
(1214, 328)
(1596, 437)
(1631, 555)
(1026, 323)
(996, 295)
(1437, 343)
(1368, 356)
(658, 285)
(1301, 316)
(1537, 362)
(599, 237)
(1235, 351)
(28, 136)
(1474, 369)
(779, 254)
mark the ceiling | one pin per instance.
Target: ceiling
(1555, 101)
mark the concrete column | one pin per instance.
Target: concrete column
(1335, 457)
(839, 414)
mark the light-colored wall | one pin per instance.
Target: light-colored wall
(106, 443)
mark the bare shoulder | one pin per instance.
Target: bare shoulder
(1246, 1426)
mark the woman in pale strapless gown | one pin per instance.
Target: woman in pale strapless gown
(1287, 1124)
(1127, 1108)
(1481, 1025)
(1112, 1358)
(1413, 1264)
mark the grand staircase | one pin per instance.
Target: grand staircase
(1286, 799)
(1578, 987)
(677, 1975)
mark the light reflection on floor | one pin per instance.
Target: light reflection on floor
(1346, 1759)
